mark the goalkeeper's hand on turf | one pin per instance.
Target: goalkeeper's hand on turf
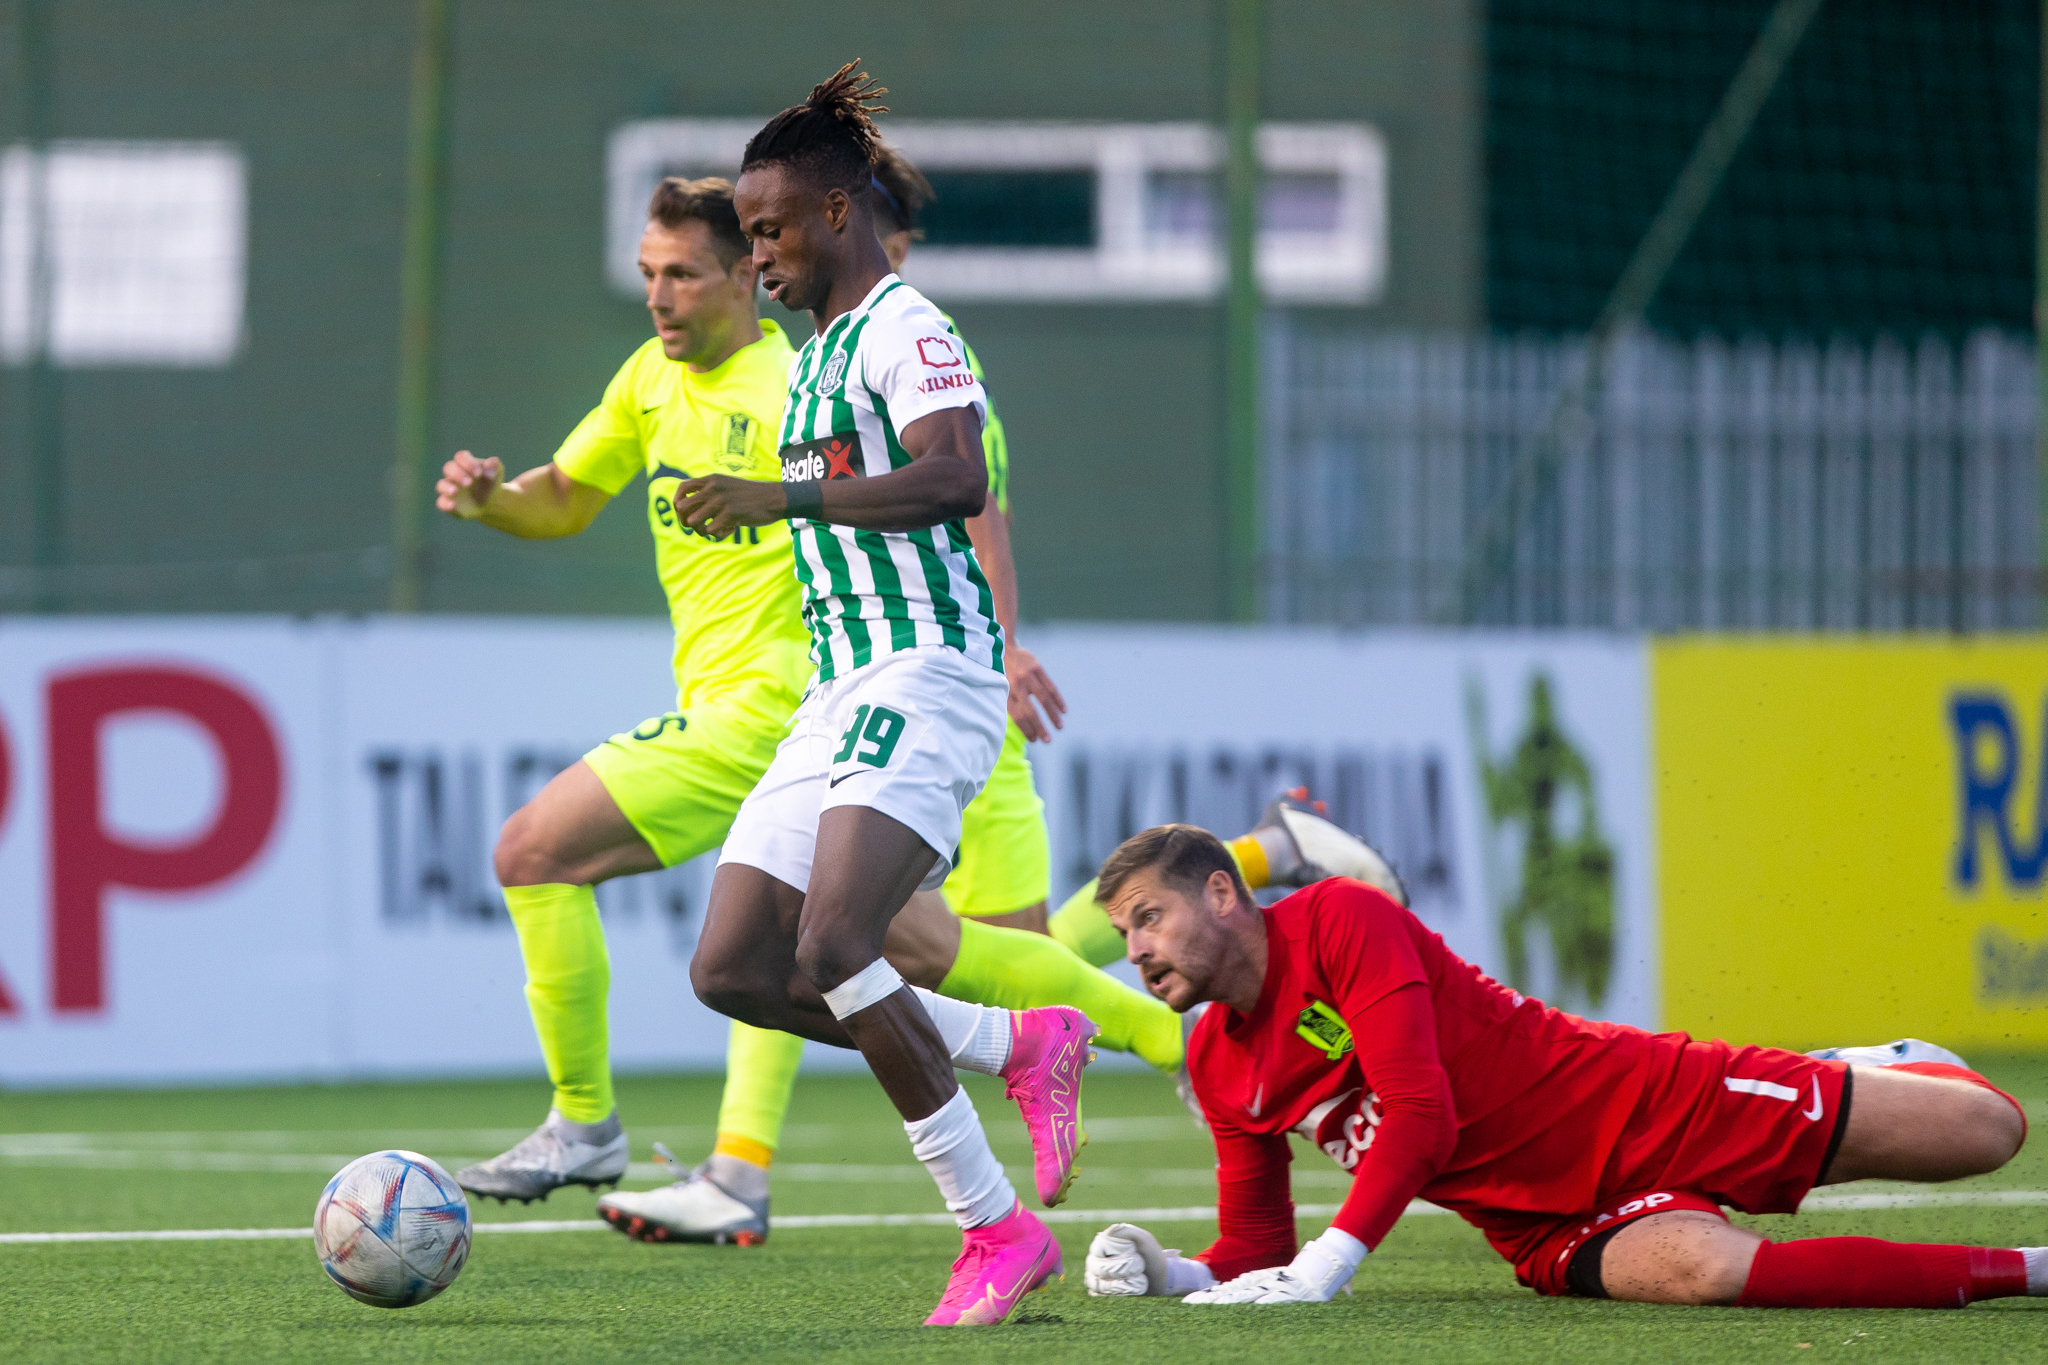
(1128, 1262)
(1316, 1273)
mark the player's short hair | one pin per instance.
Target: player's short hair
(708, 201)
(1184, 857)
(903, 193)
(830, 138)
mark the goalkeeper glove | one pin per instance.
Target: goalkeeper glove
(1316, 1273)
(1128, 1262)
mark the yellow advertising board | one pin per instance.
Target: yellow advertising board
(1852, 839)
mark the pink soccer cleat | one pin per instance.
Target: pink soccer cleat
(1048, 1048)
(999, 1264)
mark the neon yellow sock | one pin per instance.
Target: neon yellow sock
(1019, 970)
(1082, 925)
(1085, 929)
(568, 976)
(760, 1072)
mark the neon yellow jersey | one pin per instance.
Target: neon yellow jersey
(995, 447)
(740, 635)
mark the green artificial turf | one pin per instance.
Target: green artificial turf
(258, 1158)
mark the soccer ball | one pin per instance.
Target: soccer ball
(392, 1229)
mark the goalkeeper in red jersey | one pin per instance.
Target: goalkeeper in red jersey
(1595, 1157)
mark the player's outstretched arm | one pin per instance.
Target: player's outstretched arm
(544, 503)
(1417, 1132)
(944, 480)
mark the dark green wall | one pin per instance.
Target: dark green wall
(1114, 412)
(1888, 183)
(283, 452)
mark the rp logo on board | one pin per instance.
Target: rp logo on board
(87, 859)
(1988, 761)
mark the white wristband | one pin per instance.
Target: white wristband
(1341, 1246)
(1185, 1276)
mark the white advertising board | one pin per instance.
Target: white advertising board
(260, 849)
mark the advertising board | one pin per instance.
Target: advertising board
(1851, 839)
(260, 849)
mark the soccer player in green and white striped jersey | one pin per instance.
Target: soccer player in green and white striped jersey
(868, 594)
(881, 463)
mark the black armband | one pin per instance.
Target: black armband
(806, 499)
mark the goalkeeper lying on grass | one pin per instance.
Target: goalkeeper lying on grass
(1595, 1157)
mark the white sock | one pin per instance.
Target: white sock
(977, 1036)
(737, 1176)
(596, 1134)
(953, 1148)
(2037, 1270)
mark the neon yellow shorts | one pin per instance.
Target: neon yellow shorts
(1005, 861)
(680, 779)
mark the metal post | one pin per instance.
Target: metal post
(418, 303)
(1242, 566)
(43, 385)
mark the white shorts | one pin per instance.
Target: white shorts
(913, 736)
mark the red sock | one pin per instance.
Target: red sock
(1963, 1073)
(1862, 1272)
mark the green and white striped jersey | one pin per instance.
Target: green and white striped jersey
(853, 389)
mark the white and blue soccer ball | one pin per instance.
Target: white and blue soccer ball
(392, 1229)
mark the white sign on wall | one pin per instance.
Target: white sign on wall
(1155, 230)
(123, 253)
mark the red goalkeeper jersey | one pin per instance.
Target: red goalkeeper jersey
(1412, 1068)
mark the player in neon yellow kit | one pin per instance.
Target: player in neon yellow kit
(949, 941)
(705, 394)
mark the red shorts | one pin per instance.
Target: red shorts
(1749, 1127)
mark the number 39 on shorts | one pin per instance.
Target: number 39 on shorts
(871, 739)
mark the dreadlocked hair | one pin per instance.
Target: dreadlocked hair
(905, 192)
(831, 137)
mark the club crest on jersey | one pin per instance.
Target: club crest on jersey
(1325, 1030)
(835, 370)
(732, 446)
(829, 457)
